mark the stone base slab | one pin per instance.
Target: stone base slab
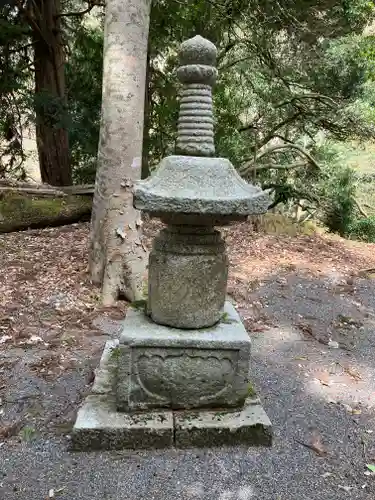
(247, 426)
(99, 426)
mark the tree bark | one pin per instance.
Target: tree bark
(51, 134)
(146, 121)
(117, 253)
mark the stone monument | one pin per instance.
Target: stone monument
(179, 373)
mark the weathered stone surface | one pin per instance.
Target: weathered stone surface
(188, 270)
(188, 354)
(249, 426)
(197, 50)
(198, 185)
(194, 183)
(105, 381)
(163, 367)
(100, 427)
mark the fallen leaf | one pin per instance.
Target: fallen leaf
(10, 430)
(333, 344)
(315, 445)
(327, 474)
(353, 411)
(90, 377)
(34, 339)
(352, 372)
(346, 488)
(371, 467)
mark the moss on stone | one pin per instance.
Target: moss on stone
(250, 391)
(115, 352)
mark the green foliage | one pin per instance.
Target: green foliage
(363, 229)
(14, 83)
(84, 70)
(338, 201)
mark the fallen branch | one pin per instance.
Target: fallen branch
(361, 210)
(268, 166)
(45, 193)
(45, 190)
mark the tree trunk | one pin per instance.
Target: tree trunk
(117, 253)
(51, 134)
(146, 122)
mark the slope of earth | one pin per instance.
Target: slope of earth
(309, 305)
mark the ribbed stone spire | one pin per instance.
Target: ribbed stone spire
(198, 74)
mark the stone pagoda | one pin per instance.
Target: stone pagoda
(179, 375)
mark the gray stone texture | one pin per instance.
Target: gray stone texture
(179, 374)
(99, 426)
(194, 183)
(199, 185)
(163, 367)
(246, 426)
(198, 73)
(105, 381)
(188, 270)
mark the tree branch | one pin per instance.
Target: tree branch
(361, 210)
(269, 166)
(299, 149)
(233, 63)
(91, 5)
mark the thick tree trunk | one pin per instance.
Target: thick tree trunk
(117, 254)
(51, 134)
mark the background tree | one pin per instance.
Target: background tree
(117, 258)
(33, 56)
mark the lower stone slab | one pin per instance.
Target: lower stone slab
(249, 426)
(100, 427)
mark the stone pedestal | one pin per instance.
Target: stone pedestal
(159, 387)
(163, 367)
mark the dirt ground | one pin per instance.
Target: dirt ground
(308, 302)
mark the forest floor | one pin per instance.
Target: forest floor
(308, 302)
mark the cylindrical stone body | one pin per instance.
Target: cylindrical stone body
(188, 272)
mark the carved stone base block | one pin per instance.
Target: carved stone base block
(100, 426)
(164, 367)
(204, 370)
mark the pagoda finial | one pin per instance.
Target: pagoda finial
(198, 74)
